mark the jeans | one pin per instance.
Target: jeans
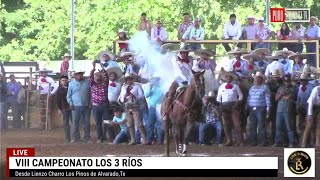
(98, 112)
(2, 116)
(122, 136)
(204, 127)
(311, 48)
(154, 120)
(283, 122)
(257, 118)
(107, 129)
(261, 45)
(81, 114)
(16, 123)
(66, 118)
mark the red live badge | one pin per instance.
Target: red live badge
(277, 14)
(18, 152)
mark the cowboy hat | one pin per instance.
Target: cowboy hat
(284, 50)
(109, 53)
(261, 50)
(251, 17)
(121, 31)
(273, 57)
(66, 55)
(258, 74)
(276, 73)
(182, 50)
(126, 53)
(206, 51)
(211, 94)
(248, 56)
(293, 56)
(305, 76)
(307, 69)
(167, 46)
(237, 51)
(134, 76)
(314, 18)
(78, 71)
(224, 74)
(115, 70)
(44, 70)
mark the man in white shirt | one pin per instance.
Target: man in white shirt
(230, 97)
(47, 87)
(232, 31)
(275, 65)
(313, 117)
(284, 59)
(237, 64)
(194, 33)
(159, 33)
(132, 96)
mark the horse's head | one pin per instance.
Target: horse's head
(198, 83)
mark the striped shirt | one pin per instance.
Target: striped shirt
(259, 96)
(99, 91)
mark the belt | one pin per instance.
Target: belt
(99, 104)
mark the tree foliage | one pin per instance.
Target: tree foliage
(40, 30)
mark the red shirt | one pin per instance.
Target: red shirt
(99, 92)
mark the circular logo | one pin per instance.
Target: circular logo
(299, 162)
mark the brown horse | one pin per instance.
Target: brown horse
(182, 113)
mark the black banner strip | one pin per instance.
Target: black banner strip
(144, 173)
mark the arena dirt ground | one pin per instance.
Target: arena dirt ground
(51, 143)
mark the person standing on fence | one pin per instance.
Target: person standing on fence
(64, 68)
(64, 107)
(13, 89)
(313, 33)
(3, 98)
(47, 87)
(78, 97)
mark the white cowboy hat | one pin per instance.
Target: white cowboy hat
(293, 56)
(66, 55)
(284, 50)
(134, 76)
(126, 53)
(276, 73)
(109, 53)
(224, 73)
(211, 94)
(78, 71)
(307, 69)
(44, 70)
(237, 51)
(251, 17)
(206, 51)
(262, 50)
(121, 31)
(196, 68)
(305, 76)
(182, 50)
(168, 46)
(115, 70)
(248, 56)
(258, 74)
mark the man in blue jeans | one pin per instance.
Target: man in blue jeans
(313, 33)
(285, 96)
(258, 106)
(78, 97)
(212, 120)
(155, 95)
(120, 119)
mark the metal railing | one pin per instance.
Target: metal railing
(247, 42)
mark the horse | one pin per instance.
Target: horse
(182, 112)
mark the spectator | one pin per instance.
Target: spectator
(12, 100)
(204, 62)
(78, 97)
(107, 59)
(194, 33)
(261, 62)
(274, 65)
(284, 59)
(144, 25)
(263, 33)
(159, 33)
(284, 34)
(47, 87)
(298, 64)
(212, 120)
(313, 33)
(258, 104)
(64, 68)
(129, 65)
(120, 119)
(232, 31)
(297, 32)
(64, 107)
(184, 25)
(285, 97)
(99, 90)
(250, 31)
(123, 37)
(3, 99)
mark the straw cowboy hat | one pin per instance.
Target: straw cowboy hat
(305, 76)
(134, 76)
(168, 46)
(223, 74)
(284, 50)
(307, 69)
(109, 53)
(258, 74)
(115, 70)
(44, 70)
(206, 51)
(251, 17)
(66, 55)
(303, 56)
(182, 50)
(314, 18)
(276, 73)
(126, 53)
(248, 56)
(273, 57)
(77, 71)
(238, 51)
(261, 50)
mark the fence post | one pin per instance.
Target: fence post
(317, 54)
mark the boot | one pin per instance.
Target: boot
(143, 134)
(132, 136)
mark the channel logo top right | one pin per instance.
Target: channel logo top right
(299, 162)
